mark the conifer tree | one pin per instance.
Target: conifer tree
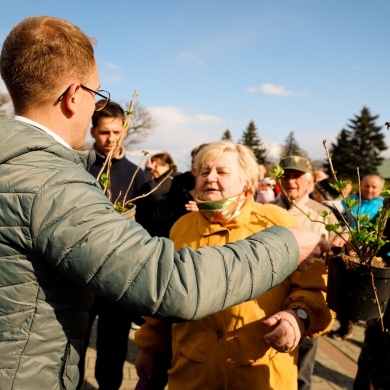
(227, 135)
(341, 152)
(360, 145)
(291, 147)
(251, 139)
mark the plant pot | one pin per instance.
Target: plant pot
(350, 293)
(130, 214)
(380, 378)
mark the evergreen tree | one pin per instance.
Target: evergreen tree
(251, 139)
(227, 135)
(341, 152)
(360, 145)
(291, 147)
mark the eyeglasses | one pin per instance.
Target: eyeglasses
(101, 97)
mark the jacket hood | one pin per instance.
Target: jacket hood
(17, 139)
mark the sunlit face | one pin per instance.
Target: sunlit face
(296, 183)
(371, 187)
(107, 134)
(220, 178)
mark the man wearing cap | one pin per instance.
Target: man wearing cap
(297, 183)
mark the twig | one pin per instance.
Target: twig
(117, 144)
(152, 190)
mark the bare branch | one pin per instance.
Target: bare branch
(142, 122)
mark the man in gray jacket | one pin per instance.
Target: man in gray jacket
(61, 238)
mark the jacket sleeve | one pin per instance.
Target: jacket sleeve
(75, 229)
(308, 291)
(154, 336)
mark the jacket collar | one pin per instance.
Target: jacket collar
(121, 155)
(18, 138)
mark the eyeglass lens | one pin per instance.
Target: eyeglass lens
(99, 102)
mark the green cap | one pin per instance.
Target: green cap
(297, 163)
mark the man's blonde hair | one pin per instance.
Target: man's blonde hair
(39, 54)
(247, 162)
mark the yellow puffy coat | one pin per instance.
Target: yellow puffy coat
(226, 350)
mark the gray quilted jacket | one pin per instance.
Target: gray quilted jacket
(60, 239)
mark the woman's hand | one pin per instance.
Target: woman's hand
(150, 164)
(341, 240)
(144, 364)
(287, 332)
(191, 206)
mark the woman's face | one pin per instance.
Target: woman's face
(220, 178)
(159, 170)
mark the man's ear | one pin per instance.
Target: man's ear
(71, 98)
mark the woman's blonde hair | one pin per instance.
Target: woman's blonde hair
(39, 54)
(247, 162)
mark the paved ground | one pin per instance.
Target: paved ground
(334, 370)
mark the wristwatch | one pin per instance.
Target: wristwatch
(302, 315)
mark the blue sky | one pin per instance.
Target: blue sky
(202, 67)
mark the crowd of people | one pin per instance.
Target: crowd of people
(220, 273)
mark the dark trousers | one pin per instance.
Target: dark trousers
(375, 352)
(113, 329)
(306, 360)
(161, 365)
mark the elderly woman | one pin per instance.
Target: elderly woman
(251, 345)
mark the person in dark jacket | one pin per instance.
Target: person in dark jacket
(62, 240)
(126, 182)
(160, 170)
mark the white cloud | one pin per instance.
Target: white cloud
(110, 72)
(191, 59)
(109, 65)
(177, 132)
(214, 46)
(278, 90)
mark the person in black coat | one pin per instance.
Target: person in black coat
(375, 350)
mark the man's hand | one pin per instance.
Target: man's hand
(287, 332)
(310, 244)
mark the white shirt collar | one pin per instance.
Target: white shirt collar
(45, 129)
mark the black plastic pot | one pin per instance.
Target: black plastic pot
(380, 378)
(350, 293)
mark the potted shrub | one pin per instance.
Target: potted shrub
(358, 280)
